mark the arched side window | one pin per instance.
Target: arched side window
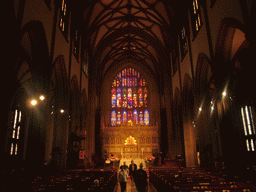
(249, 127)
(16, 128)
(129, 97)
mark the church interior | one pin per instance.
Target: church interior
(94, 83)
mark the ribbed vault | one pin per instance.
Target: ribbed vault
(128, 30)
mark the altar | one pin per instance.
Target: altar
(130, 142)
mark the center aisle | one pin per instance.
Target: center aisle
(132, 188)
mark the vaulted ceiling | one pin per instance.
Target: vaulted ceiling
(137, 31)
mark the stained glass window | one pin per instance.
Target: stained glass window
(16, 128)
(129, 94)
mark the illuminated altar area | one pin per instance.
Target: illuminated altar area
(130, 142)
(129, 126)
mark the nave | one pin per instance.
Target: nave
(160, 179)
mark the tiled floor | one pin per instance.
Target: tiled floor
(132, 188)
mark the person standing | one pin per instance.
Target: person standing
(140, 179)
(122, 177)
(132, 169)
(125, 166)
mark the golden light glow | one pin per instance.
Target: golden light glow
(130, 141)
(33, 102)
(62, 111)
(41, 97)
(130, 122)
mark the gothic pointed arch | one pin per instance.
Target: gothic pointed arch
(202, 77)
(37, 48)
(224, 47)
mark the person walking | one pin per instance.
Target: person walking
(132, 169)
(140, 179)
(122, 177)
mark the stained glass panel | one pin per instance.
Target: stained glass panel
(113, 98)
(129, 115)
(124, 96)
(145, 97)
(141, 118)
(146, 117)
(124, 116)
(118, 118)
(140, 94)
(135, 100)
(113, 118)
(129, 98)
(135, 117)
(119, 98)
